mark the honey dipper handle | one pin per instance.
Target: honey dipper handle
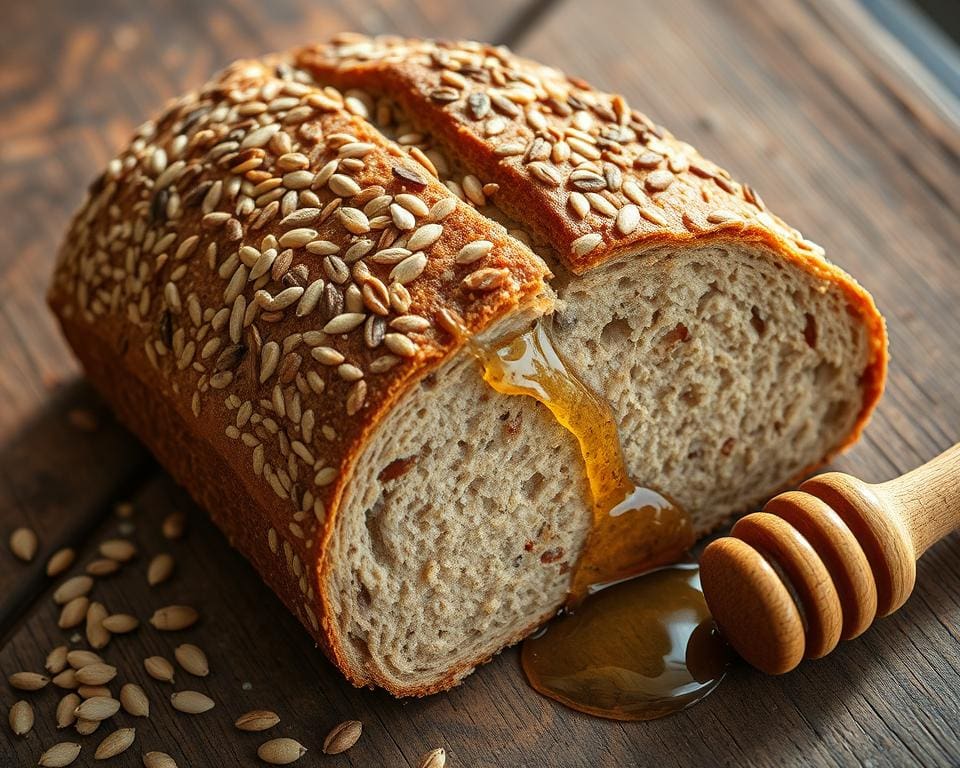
(927, 498)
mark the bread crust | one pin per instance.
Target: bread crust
(275, 408)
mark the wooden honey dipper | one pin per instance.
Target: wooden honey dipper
(819, 564)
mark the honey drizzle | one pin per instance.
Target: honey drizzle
(634, 528)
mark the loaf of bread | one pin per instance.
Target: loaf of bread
(262, 285)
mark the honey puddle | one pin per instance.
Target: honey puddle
(639, 648)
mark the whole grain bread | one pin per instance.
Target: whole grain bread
(262, 283)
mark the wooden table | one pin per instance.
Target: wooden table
(808, 99)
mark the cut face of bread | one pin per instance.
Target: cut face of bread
(276, 285)
(730, 374)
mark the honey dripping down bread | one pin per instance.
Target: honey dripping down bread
(262, 283)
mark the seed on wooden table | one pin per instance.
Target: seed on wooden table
(74, 612)
(435, 758)
(159, 668)
(86, 727)
(160, 569)
(102, 566)
(119, 741)
(27, 681)
(59, 755)
(94, 691)
(96, 674)
(158, 760)
(80, 658)
(97, 634)
(66, 679)
(60, 560)
(342, 737)
(134, 700)
(281, 751)
(24, 544)
(65, 710)
(71, 588)
(97, 708)
(120, 550)
(174, 525)
(56, 660)
(257, 720)
(191, 702)
(21, 718)
(120, 623)
(172, 618)
(192, 659)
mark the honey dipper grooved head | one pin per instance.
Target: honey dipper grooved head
(751, 605)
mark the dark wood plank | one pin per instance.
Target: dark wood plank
(75, 80)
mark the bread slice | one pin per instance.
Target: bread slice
(234, 285)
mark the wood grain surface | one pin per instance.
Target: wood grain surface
(804, 98)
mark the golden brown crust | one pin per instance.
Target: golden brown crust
(157, 283)
(214, 260)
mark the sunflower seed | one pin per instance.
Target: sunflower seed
(134, 700)
(342, 185)
(56, 660)
(66, 679)
(102, 566)
(91, 691)
(192, 659)
(400, 345)
(174, 617)
(628, 219)
(21, 718)
(96, 674)
(659, 180)
(159, 668)
(60, 561)
(120, 623)
(117, 742)
(257, 720)
(27, 681)
(486, 279)
(191, 702)
(80, 658)
(74, 612)
(344, 323)
(86, 727)
(97, 634)
(435, 758)
(579, 203)
(120, 550)
(354, 220)
(160, 569)
(158, 760)
(443, 208)
(65, 710)
(634, 194)
(409, 269)
(342, 737)
(97, 708)
(60, 755)
(403, 219)
(586, 243)
(281, 751)
(424, 236)
(71, 588)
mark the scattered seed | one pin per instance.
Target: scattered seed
(119, 741)
(342, 737)
(103, 566)
(134, 700)
(86, 727)
(160, 569)
(97, 635)
(474, 251)
(158, 760)
(78, 659)
(435, 758)
(60, 561)
(74, 612)
(174, 525)
(120, 623)
(628, 219)
(59, 755)
(120, 550)
(96, 674)
(94, 691)
(191, 702)
(21, 718)
(56, 660)
(27, 681)
(71, 588)
(174, 617)
(24, 544)
(159, 668)
(66, 679)
(257, 720)
(97, 708)
(192, 659)
(424, 236)
(65, 710)
(281, 751)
